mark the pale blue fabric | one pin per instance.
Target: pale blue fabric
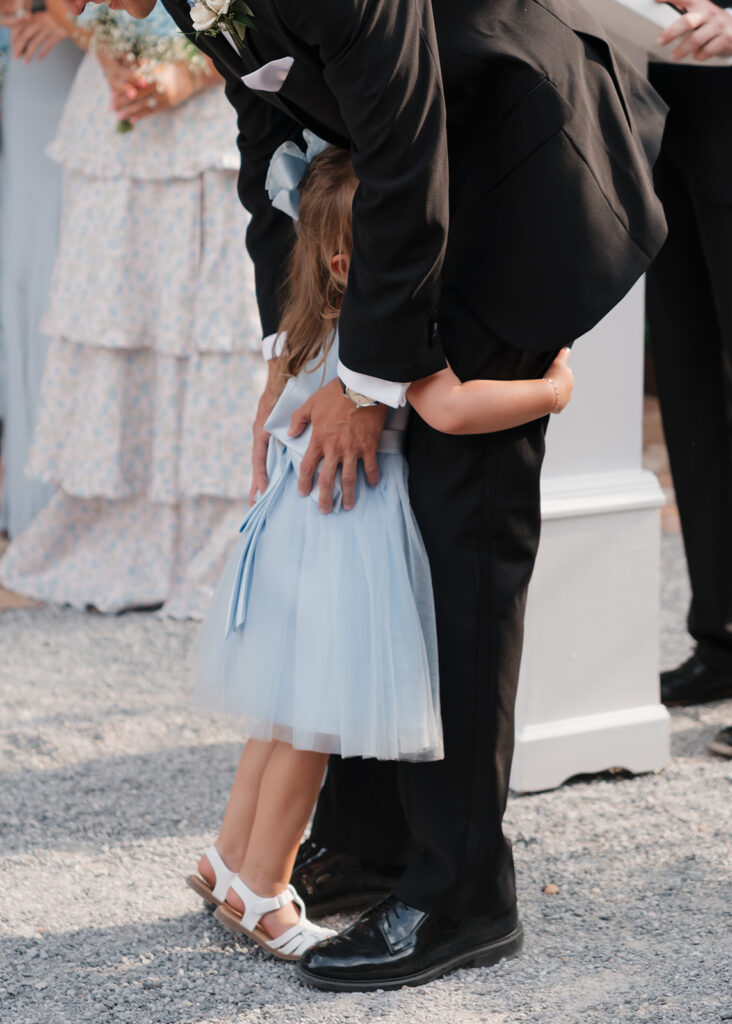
(33, 98)
(321, 631)
(287, 169)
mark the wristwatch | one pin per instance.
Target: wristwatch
(360, 401)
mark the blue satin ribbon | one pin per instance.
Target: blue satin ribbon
(287, 169)
(250, 530)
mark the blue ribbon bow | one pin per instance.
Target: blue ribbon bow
(287, 169)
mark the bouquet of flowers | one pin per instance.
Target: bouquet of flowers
(144, 45)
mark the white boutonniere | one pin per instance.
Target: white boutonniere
(212, 17)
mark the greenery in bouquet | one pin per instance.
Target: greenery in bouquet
(144, 44)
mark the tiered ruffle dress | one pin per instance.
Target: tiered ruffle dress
(152, 379)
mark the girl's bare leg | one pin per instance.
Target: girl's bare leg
(239, 814)
(288, 790)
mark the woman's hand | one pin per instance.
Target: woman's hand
(560, 372)
(135, 95)
(34, 36)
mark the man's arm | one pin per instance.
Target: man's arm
(380, 61)
(262, 128)
(709, 29)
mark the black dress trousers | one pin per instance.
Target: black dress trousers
(690, 319)
(476, 499)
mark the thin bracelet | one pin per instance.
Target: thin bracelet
(555, 389)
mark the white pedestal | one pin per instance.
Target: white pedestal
(588, 696)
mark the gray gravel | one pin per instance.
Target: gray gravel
(112, 786)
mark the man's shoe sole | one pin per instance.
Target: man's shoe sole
(505, 948)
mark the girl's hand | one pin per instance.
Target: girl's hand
(134, 97)
(260, 444)
(35, 35)
(561, 373)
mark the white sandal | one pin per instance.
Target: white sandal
(291, 944)
(215, 894)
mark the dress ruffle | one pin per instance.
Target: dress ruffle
(117, 424)
(117, 555)
(170, 270)
(158, 149)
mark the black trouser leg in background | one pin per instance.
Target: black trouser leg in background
(690, 316)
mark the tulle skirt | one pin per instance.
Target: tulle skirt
(322, 631)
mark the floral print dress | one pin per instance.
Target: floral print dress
(155, 365)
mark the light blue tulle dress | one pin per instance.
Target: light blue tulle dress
(322, 628)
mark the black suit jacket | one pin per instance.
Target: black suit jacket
(503, 154)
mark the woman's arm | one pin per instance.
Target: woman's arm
(486, 406)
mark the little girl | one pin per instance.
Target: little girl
(321, 634)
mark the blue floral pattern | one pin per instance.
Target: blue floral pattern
(155, 365)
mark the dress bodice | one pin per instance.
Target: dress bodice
(182, 142)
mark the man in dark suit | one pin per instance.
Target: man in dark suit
(690, 316)
(505, 205)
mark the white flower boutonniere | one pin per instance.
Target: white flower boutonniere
(212, 17)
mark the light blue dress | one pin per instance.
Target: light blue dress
(33, 98)
(322, 629)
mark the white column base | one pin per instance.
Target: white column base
(636, 739)
(588, 696)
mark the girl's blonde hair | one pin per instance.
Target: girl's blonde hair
(313, 294)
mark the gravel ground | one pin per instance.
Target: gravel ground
(112, 786)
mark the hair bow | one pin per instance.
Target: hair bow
(287, 169)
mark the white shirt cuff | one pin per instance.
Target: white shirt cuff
(272, 346)
(389, 392)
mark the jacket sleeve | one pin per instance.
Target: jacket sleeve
(262, 128)
(380, 62)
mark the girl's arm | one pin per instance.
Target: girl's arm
(485, 406)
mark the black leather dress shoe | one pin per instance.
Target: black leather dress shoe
(394, 945)
(333, 882)
(705, 676)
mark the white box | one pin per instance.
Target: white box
(640, 22)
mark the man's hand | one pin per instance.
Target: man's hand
(709, 31)
(342, 434)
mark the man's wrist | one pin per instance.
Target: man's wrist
(359, 400)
